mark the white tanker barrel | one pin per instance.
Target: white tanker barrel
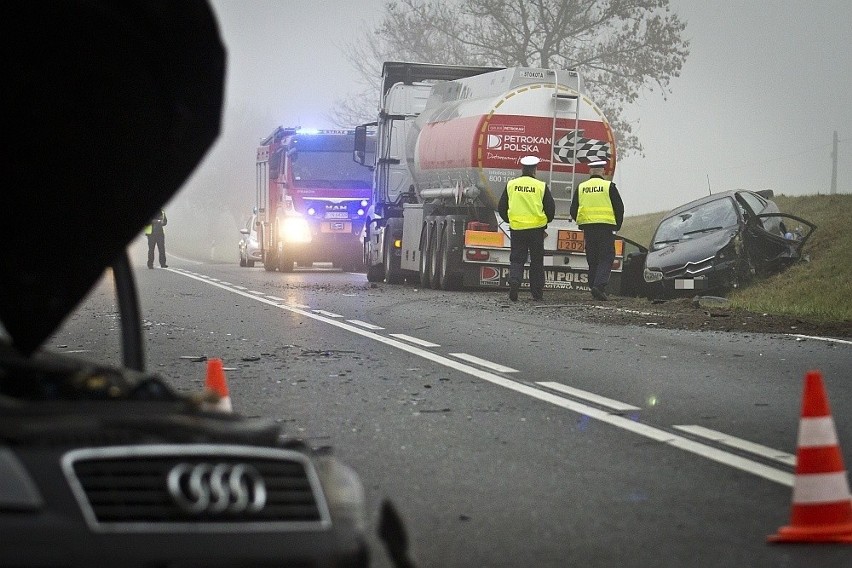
(480, 140)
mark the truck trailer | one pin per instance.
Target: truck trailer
(448, 138)
(311, 199)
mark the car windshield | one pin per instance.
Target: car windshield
(695, 222)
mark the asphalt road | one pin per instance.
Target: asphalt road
(506, 434)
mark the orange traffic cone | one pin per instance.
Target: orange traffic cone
(217, 384)
(822, 504)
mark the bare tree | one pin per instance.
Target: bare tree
(622, 48)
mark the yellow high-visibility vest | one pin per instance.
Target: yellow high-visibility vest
(594, 204)
(526, 203)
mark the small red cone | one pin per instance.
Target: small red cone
(822, 504)
(216, 383)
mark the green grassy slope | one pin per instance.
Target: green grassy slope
(820, 289)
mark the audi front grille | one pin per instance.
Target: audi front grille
(196, 488)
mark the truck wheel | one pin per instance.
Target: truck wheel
(435, 260)
(285, 262)
(375, 273)
(449, 280)
(270, 262)
(250, 263)
(242, 260)
(426, 259)
(393, 274)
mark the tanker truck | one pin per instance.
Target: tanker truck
(448, 138)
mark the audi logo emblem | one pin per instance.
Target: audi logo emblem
(224, 487)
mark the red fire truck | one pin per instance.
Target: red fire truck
(311, 199)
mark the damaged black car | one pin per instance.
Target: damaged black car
(721, 242)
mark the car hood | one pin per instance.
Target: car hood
(100, 135)
(696, 249)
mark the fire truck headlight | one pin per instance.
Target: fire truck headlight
(295, 230)
(364, 203)
(360, 213)
(312, 211)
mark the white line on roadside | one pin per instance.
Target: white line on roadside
(365, 324)
(651, 432)
(592, 397)
(257, 292)
(414, 340)
(276, 299)
(830, 339)
(483, 363)
(739, 443)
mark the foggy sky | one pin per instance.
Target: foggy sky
(764, 87)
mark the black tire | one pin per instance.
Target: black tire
(425, 259)
(270, 263)
(250, 263)
(285, 262)
(448, 280)
(392, 275)
(242, 260)
(375, 273)
(435, 262)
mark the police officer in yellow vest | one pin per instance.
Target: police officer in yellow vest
(528, 206)
(599, 212)
(157, 238)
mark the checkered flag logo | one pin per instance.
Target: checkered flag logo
(588, 150)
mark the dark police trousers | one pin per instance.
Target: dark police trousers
(158, 239)
(600, 253)
(528, 241)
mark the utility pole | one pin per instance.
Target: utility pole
(834, 166)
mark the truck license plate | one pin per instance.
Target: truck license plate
(337, 215)
(336, 227)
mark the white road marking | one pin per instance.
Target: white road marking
(257, 292)
(592, 397)
(328, 314)
(365, 324)
(483, 363)
(414, 340)
(240, 287)
(751, 447)
(651, 432)
(830, 339)
(276, 299)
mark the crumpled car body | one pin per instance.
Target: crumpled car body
(721, 242)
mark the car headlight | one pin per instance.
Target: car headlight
(344, 492)
(295, 230)
(652, 275)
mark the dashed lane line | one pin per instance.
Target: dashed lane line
(739, 443)
(605, 416)
(591, 397)
(414, 340)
